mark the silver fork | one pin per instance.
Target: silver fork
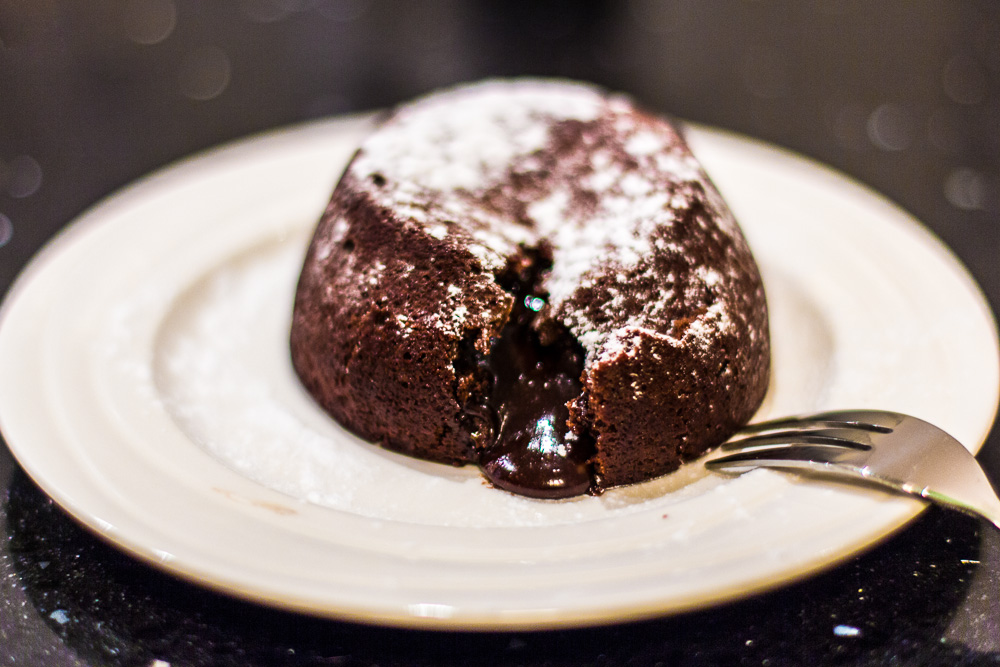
(893, 450)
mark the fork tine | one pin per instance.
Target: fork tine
(853, 419)
(865, 418)
(817, 457)
(832, 437)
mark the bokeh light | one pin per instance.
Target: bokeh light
(149, 21)
(23, 176)
(891, 127)
(204, 73)
(966, 189)
(6, 230)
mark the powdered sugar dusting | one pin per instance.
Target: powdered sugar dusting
(457, 141)
(498, 167)
(645, 143)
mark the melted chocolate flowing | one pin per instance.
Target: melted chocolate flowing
(529, 447)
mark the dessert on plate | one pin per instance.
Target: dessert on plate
(537, 277)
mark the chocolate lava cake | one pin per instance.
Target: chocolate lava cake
(537, 277)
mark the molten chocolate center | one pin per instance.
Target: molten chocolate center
(531, 450)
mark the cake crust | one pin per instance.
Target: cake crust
(470, 203)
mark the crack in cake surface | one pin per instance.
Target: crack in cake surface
(518, 415)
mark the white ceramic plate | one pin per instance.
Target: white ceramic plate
(145, 384)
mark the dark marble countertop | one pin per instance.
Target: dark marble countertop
(903, 96)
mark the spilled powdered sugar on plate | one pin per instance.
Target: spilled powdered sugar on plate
(222, 371)
(272, 433)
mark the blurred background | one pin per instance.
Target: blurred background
(903, 95)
